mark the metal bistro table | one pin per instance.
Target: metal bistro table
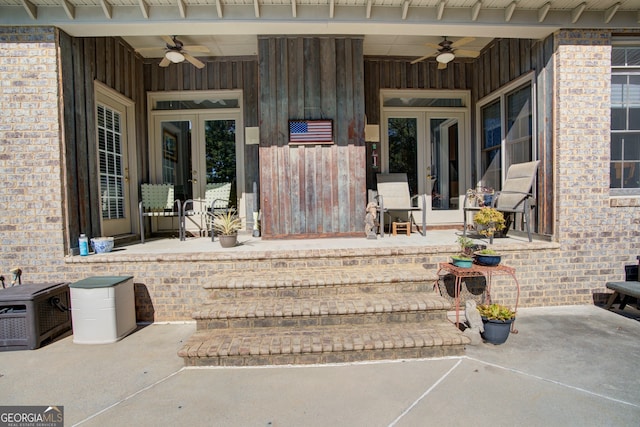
(476, 270)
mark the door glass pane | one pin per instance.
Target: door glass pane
(220, 140)
(519, 127)
(110, 158)
(403, 149)
(176, 157)
(491, 143)
(444, 155)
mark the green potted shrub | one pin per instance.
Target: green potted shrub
(489, 221)
(497, 320)
(226, 225)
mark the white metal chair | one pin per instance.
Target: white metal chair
(394, 199)
(217, 198)
(158, 201)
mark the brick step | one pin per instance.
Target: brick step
(308, 281)
(322, 344)
(321, 310)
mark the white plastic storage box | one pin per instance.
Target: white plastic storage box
(102, 309)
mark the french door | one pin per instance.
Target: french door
(430, 147)
(192, 150)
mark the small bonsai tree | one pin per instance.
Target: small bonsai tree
(466, 246)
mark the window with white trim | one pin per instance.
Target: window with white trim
(625, 120)
(505, 131)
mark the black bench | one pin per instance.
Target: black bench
(626, 290)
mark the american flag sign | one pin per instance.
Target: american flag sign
(310, 131)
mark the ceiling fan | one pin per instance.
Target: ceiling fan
(447, 50)
(176, 52)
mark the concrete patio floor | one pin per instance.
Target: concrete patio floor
(247, 243)
(567, 366)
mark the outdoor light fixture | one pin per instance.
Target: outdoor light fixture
(445, 57)
(174, 56)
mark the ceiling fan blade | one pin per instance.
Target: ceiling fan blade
(467, 53)
(442, 65)
(433, 46)
(168, 40)
(159, 51)
(165, 62)
(462, 41)
(196, 48)
(422, 58)
(193, 60)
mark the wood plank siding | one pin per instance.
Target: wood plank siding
(114, 63)
(311, 190)
(500, 63)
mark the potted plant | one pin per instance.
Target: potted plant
(489, 221)
(464, 259)
(488, 257)
(497, 320)
(226, 225)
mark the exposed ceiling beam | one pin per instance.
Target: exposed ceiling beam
(69, 9)
(332, 7)
(294, 10)
(369, 4)
(32, 9)
(183, 9)
(508, 12)
(405, 9)
(577, 12)
(475, 10)
(107, 9)
(219, 8)
(610, 13)
(441, 6)
(256, 8)
(542, 12)
(144, 8)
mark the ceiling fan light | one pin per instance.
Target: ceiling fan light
(445, 57)
(174, 56)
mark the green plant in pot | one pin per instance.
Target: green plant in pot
(464, 259)
(489, 221)
(487, 257)
(497, 321)
(226, 225)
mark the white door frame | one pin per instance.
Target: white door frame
(106, 96)
(197, 118)
(423, 116)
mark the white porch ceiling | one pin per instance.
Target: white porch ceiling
(389, 27)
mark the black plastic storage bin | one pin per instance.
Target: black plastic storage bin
(33, 313)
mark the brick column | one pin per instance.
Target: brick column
(31, 218)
